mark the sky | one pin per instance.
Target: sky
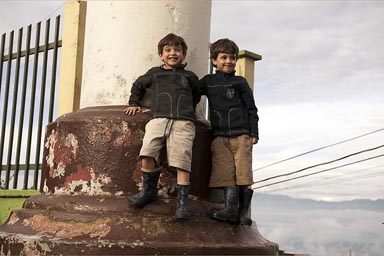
(319, 83)
(318, 228)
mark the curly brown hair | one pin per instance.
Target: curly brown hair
(172, 39)
(224, 45)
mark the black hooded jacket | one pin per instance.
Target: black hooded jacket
(231, 105)
(174, 93)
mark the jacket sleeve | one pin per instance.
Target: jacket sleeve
(195, 91)
(139, 88)
(203, 85)
(247, 96)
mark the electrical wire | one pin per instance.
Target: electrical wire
(317, 149)
(327, 180)
(316, 165)
(308, 185)
(310, 174)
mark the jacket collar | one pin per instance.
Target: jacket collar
(182, 66)
(225, 75)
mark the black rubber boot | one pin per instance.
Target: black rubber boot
(245, 197)
(182, 199)
(230, 211)
(149, 192)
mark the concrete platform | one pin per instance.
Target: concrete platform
(90, 167)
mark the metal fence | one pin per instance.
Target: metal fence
(28, 78)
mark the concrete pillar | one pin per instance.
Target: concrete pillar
(71, 57)
(121, 43)
(245, 65)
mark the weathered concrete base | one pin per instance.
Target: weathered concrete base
(90, 167)
(107, 225)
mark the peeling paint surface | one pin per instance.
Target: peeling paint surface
(107, 131)
(13, 219)
(93, 152)
(84, 181)
(70, 229)
(61, 152)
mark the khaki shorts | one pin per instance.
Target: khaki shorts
(231, 161)
(176, 135)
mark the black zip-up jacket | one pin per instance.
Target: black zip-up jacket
(174, 93)
(232, 108)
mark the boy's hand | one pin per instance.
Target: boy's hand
(131, 111)
(254, 140)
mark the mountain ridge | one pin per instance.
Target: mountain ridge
(269, 200)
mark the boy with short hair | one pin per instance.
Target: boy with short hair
(174, 95)
(234, 122)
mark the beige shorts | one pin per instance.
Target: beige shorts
(231, 161)
(176, 135)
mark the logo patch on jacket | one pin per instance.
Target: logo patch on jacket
(184, 81)
(230, 92)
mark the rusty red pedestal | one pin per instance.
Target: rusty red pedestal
(90, 166)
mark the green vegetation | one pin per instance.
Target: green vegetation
(11, 200)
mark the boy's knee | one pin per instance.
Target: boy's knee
(148, 162)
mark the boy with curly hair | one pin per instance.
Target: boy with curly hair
(174, 95)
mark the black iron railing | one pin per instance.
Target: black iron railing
(28, 78)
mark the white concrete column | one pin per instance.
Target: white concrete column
(121, 43)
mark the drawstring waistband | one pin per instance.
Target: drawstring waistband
(167, 130)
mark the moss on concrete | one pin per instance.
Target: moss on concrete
(11, 200)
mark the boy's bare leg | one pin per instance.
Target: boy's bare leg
(182, 177)
(148, 163)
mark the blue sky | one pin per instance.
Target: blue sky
(320, 82)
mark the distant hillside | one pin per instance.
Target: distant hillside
(277, 201)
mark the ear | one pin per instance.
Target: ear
(214, 62)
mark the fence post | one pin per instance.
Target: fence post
(245, 65)
(72, 57)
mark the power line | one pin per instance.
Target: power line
(330, 181)
(329, 178)
(310, 174)
(316, 165)
(317, 149)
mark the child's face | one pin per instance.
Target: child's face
(172, 56)
(225, 62)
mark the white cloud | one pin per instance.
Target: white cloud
(311, 50)
(318, 231)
